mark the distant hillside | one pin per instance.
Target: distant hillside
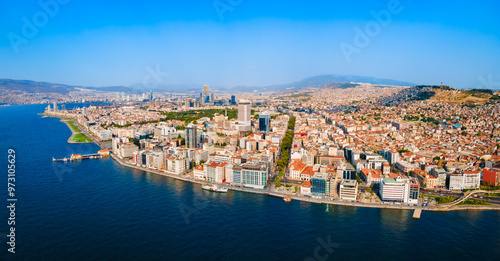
(35, 87)
(454, 96)
(46, 87)
(329, 80)
(322, 80)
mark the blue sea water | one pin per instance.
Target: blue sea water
(99, 210)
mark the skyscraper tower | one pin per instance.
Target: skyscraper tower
(206, 90)
(151, 95)
(191, 136)
(244, 112)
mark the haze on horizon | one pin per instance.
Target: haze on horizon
(238, 42)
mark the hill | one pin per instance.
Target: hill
(454, 96)
(46, 87)
(319, 81)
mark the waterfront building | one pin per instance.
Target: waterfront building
(228, 173)
(176, 164)
(126, 150)
(399, 189)
(472, 179)
(199, 172)
(348, 189)
(237, 175)
(319, 184)
(392, 190)
(253, 175)
(305, 188)
(464, 180)
(491, 176)
(215, 171)
(414, 190)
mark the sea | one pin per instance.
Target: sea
(99, 210)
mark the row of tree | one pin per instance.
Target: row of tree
(286, 144)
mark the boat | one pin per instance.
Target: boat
(287, 199)
(213, 187)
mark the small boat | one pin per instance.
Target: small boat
(216, 188)
(287, 199)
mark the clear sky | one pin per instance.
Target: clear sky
(249, 42)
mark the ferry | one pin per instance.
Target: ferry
(216, 188)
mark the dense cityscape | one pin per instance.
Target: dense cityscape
(250, 130)
(363, 145)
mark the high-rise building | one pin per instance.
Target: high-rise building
(55, 106)
(206, 90)
(191, 136)
(233, 99)
(264, 122)
(244, 112)
(151, 95)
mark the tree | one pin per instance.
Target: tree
(202, 162)
(277, 182)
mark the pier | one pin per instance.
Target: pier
(417, 213)
(74, 157)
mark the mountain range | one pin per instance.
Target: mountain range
(314, 82)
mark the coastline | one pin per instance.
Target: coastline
(281, 195)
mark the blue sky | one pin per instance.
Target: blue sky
(243, 42)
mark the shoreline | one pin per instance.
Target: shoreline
(281, 195)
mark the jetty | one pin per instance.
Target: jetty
(74, 157)
(417, 213)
